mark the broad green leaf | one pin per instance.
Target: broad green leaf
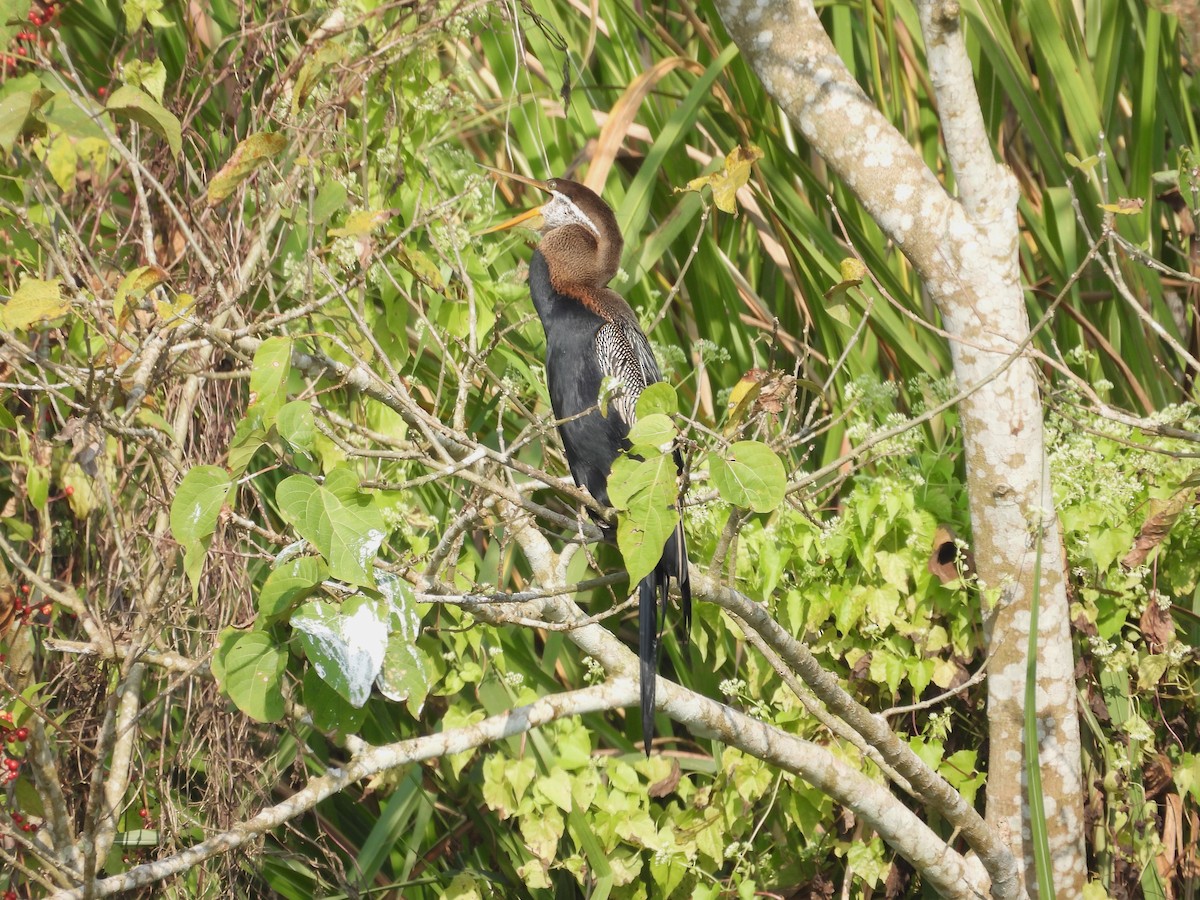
(139, 11)
(13, 16)
(37, 483)
(248, 435)
(252, 666)
(641, 538)
(290, 582)
(198, 501)
(404, 614)
(645, 492)
(406, 673)
(34, 301)
(1187, 775)
(555, 788)
(141, 107)
(655, 431)
(542, 832)
(16, 114)
(296, 424)
(62, 162)
(269, 374)
(225, 641)
(342, 522)
(330, 711)
(463, 887)
(247, 157)
(659, 397)
(750, 475)
(345, 643)
(149, 76)
(331, 198)
(635, 484)
(423, 266)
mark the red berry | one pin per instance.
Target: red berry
(27, 827)
(13, 765)
(25, 589)
(69, 490)
(22, 734)
(47, 608)
(102, 90)
(10, 895)
(18, 818)
(6, 716)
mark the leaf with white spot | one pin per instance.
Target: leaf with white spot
(341, 521)
(345, 643)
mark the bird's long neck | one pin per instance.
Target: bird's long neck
(541, 288)
(554, 288)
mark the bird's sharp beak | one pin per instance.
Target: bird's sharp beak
(513, 176)
(532, 216)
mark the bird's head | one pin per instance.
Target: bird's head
(580, 238)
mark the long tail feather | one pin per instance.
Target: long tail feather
(683, 580)
(648, 651)
(652, 617)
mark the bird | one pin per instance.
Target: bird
(592, 333)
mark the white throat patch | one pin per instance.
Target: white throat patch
(571, 214)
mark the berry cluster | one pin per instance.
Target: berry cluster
(15, 606)
(40, 15)
(10, 768)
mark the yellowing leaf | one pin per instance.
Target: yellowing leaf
(1085, 165)
(725, 184)
(852, 269)
(134, 286)
(248, 156)
(852, 272)
(173, 312)
(421, 265)
(749, 382)
(1126, 206)
(362, 222)
(34, 301)
(313, 69)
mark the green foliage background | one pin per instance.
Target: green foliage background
(350, 229)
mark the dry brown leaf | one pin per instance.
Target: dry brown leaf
(1158, 628)
(1157, 526)
(8, 604)
(620, 118)
(668, 784)
(946, 559)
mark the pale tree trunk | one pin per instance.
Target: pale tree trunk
(965, 251)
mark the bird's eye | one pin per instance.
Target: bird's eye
(552, 184)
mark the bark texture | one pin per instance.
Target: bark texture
(965, 251)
